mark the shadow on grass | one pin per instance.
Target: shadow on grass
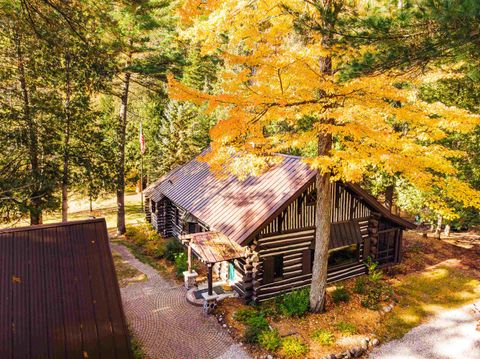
(133, 215)
(422, 295)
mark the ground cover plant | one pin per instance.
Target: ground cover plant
(166, 255)
(269, 340)
(255, 324)
(323, 336)
(346, 328)
(294, 304)
(293, 347)
(340, 294)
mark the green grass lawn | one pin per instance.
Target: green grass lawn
(422, 295)
(126, 274)
(104, 208)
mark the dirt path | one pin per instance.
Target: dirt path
(166, 325)
(450, 335)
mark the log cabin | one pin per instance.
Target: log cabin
(258, 233)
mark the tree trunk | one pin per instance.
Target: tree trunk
(447, 230)
(122, 124)
(66, 140)
(438, 230)
(90, 200)
(35, 208)
(322, 232)
(324, 201)
(389, 197)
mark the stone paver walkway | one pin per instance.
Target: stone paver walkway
(450, 335)
(166, 325)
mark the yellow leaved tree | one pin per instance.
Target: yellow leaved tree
(281, 89)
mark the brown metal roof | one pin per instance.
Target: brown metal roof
(239, 208)
(59, 295)
(213, 247)
(232, 206)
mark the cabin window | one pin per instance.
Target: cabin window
(278, 267)
(153, 206)
(299, 206)
(193, 227)
(272, 268)
(343, 256)
(177, 216)
(312, 198)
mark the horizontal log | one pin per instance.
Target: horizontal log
(285, 281)
(286, 249)
(285, 242)
(288, 234)
(279, 287)
(293, 273)
(289, 262)
(265, 296)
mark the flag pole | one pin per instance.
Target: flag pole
(142, 147)
(141, 183)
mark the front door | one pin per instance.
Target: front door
(231, 272)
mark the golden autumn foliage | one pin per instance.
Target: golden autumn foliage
(272, 75)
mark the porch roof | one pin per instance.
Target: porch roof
(213, 247)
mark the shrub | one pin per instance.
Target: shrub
(346, 328)
(292, 347)
(243, 315)
(173, 247)
(255, 324)
(269, 308)
(372, 287)
(374, 296)
(361, 284)
(375, 275)
(294, 304)
(155, 248)
(137, 234)
(181, 263)
(254, 327)
(146, 237)
(269, 340)
(323, 337)
(340, 294)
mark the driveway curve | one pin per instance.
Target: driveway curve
(166, 325)
(450, 335)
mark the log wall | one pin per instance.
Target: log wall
(301, 212)
(292, 235)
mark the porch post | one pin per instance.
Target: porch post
(189, 251)
(210, 278)
(189, 275)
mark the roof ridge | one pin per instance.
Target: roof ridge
(51, 225)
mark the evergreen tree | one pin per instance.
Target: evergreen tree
(28, 113)
(136, 24)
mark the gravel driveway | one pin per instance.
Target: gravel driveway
(450, 335)
(166, 325)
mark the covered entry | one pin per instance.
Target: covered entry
(210, 247)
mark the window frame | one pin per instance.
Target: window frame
(270, 272)
(278, 261)
(348, 264)
(177, 216)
